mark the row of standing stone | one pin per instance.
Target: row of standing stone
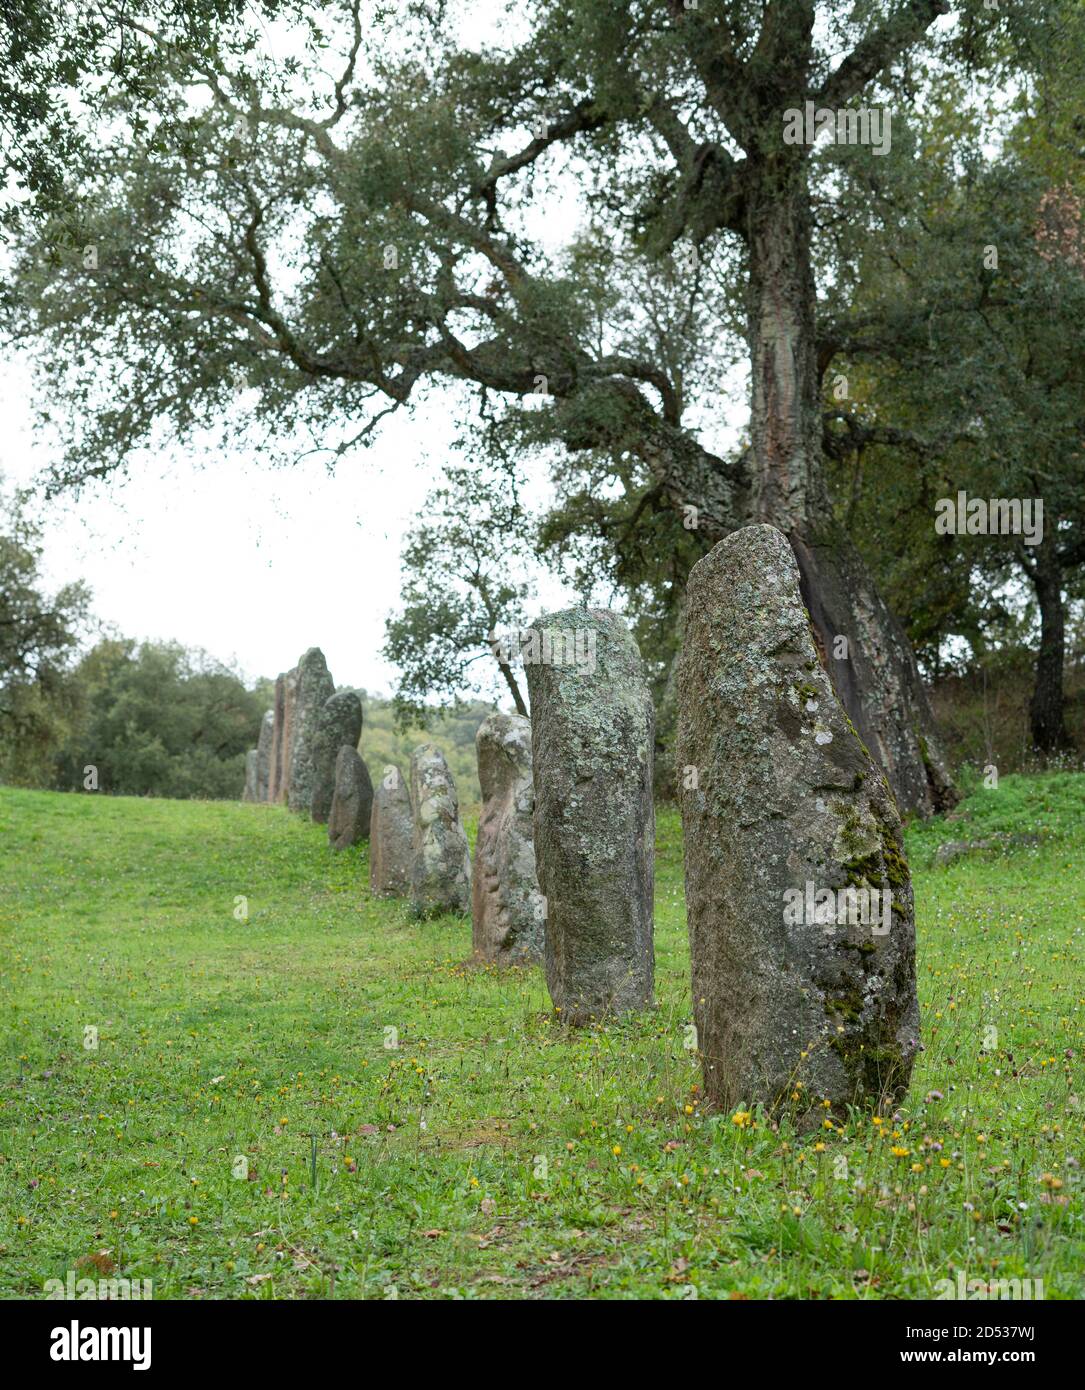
(295, 758)
(781, 802)
(594, 816)
(307, 759)
(778, 794)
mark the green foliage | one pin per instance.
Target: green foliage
(551, 1163)
(38, 637)
(49, 53)
(152, 719)
(302, 242)
(160, 720)
(463, 595)
(385, 740)
(962, 343)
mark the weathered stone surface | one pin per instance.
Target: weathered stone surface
(263, 755)
(286, 686)
(314, 686)
(440, 862)
(275, 770)
(352, 800)
(338, 722)
(784, 811)
(249, 792)
(592, 737)
(391, 836)
(507, 914)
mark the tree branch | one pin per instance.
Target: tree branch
(876, 50)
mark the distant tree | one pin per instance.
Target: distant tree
(463, 594)
(385, 739)
(39, 634)
(161, 720)
(962, 347)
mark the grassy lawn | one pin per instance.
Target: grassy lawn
(491, 1153)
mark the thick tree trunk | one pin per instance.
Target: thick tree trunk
(785, 414)
(862, 645)
(781, 480)
(1047, 719)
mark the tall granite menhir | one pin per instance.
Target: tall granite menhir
(391, 836)
(263, 755)
(592, 741)
(314, 686)
(507, 910)
(440, 862)
(286, 685)
(338, 722)
(249, 792)
(787, 820)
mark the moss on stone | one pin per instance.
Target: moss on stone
(855, 731)
(864, 871)
(848, 1005)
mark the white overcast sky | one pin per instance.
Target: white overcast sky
(253, 564)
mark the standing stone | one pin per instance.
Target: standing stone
(290, 705)
(784, 813)
(314, 686)
(263, 755)
(286, 685)
(338, 722)
(352, 800)
(592, 744)
(275, 770)
(506, 906)
(391, 836)
(440, 862)
(249, 792)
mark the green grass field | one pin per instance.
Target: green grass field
(492, 1153)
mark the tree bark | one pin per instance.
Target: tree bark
(1047, 718)
(861, 644)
